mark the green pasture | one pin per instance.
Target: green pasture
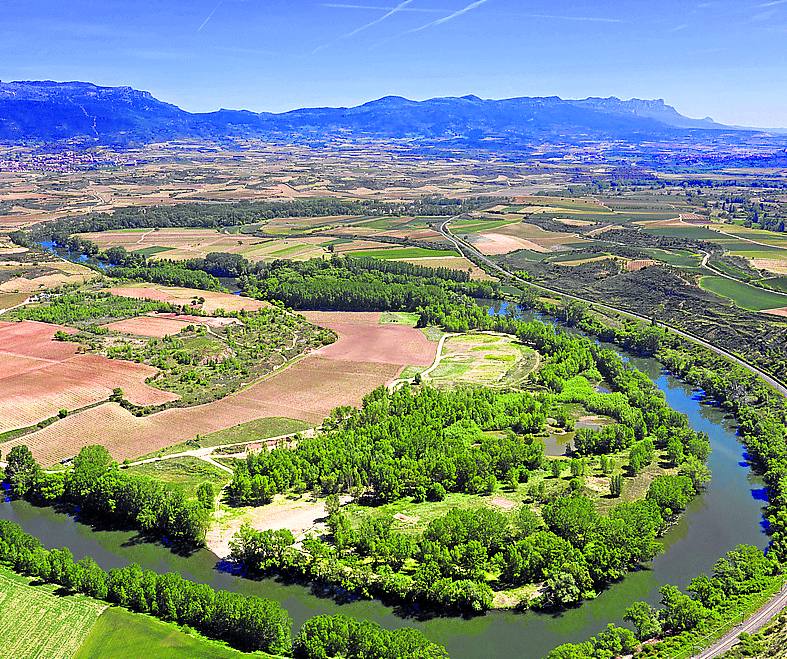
(35, 622)
(745, 296)
(121, 634)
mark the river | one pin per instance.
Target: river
(727, 513)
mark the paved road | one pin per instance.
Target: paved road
(753, 624)
(473, 254)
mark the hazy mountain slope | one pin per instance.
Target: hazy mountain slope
(49, 111)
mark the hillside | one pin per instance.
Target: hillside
(82, 112)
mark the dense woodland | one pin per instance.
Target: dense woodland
(424, 444)
(362, 284)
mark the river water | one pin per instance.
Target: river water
(727, 513)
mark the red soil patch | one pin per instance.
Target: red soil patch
(166, 324)
(777, 312)
(307, 390)
(634, 266)
(498, 243)
(210, 321)
(184, 296)
(365, 340)
(40, 376)
(146, 326)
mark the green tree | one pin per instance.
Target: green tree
(616, 485)
(645, 620)
(680, 612)
(206, 495)
(22, 471)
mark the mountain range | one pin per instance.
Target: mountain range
(45, 111)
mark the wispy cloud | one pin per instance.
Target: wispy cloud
(772, 3)
(450, 17)
(680, 28)
(391, 12)
(417, 10)
(209, 16)
(579, 19)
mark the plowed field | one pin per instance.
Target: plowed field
(184, 296)
(367, 355)
(40, 376)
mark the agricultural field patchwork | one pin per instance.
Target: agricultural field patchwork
(40, 376)
(194, 362)
(366, 355)
(207, 301)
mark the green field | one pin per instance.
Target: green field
(776, 283)
(34, 622)
(120, 634)
(479, 225)
(745, 296)
(245, 432)
(404, 253)
(187, 473)
(687, 233)
(399, 318)
(680, 258)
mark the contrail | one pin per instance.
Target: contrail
(400, 7)
(207, 20)
(450, 17)
(418, 10)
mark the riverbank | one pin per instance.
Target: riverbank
(727, 513)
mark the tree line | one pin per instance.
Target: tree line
(247, 623)
(684, 618)
(216, 216)
(99, 489)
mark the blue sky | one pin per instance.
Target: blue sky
(725, 58)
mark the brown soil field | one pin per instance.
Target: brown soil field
(160, 325)
(68, 273)
(184, 244)
(365, 340)
(777, 312)
(8, 300)
(574, 223)
(776, 266)
(309, 389)
(184, 296)
(156, 328)
(210, 321)
(634, 266)
(550, 240)
(498, 243)
(39, 376)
